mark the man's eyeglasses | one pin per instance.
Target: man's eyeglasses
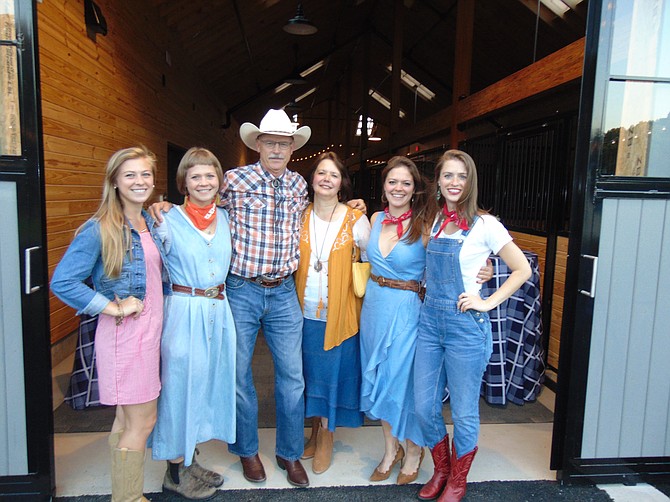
(283, 145)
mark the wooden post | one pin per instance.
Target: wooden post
(397, 66)
(465, 15)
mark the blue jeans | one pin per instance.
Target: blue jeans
(277, 311)
(453, 348)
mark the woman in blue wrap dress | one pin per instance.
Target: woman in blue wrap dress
(390, 315)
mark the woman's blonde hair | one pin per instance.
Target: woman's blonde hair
(197, 156)
(467, 205)
(114, 232)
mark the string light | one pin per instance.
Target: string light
(307, 157)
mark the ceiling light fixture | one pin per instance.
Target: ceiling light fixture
(299, 24)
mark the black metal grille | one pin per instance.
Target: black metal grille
(524, 175)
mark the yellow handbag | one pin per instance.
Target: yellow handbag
(360, 273)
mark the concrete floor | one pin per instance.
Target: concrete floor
(506, 452)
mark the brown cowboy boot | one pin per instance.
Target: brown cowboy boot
(436, 484)
(456, 486)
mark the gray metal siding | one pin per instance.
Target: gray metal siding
(628, 387)
(13, 442)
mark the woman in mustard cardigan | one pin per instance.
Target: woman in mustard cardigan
(331, 234)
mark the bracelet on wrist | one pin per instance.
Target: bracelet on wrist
(120, 315)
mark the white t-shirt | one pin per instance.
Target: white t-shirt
(317, 282)
(487, 236)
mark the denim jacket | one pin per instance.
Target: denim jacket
(83, 259)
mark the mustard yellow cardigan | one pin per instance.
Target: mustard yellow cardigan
(344, 308)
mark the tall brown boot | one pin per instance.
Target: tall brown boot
(324, 451)
(458, 479)
(127, 475)
(310, 447)
(436, 484)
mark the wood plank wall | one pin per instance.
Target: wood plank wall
(557, 303)
(115, 92)
(538, 244)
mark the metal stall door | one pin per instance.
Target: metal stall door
(26, 437)
(613, 403)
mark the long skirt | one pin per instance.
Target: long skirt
(332, 377)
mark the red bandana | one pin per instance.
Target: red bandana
(461, 223)
(396, 220)
(202, 217)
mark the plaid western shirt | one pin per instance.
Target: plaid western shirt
(264, 220)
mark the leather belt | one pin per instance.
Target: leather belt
(404, 285)
(266, 282)
(215, 292)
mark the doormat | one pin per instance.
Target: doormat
(489, 491)
(100, 418)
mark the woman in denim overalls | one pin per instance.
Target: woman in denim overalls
(454, 340)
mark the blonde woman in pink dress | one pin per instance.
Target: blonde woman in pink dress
(120, 251)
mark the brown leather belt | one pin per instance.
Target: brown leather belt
(215, 292)
(404, 285)
(266, 282)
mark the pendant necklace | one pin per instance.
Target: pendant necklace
(318, 266)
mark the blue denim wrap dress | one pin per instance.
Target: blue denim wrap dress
(388, 333)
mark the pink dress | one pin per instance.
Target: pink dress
(128, 356)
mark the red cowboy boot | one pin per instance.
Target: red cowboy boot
(456, 485)
(435, 485)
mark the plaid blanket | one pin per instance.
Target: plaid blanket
(516, 369)
(83, 389)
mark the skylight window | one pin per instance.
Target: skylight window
(385, 102)
(303, 74)
(558, 7)
(282, 87)
(312, 68)
(414, 85)
(303, 96)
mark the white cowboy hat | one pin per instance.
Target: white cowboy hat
(277, 123)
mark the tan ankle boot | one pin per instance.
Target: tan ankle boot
(127, 475)
(324, 451)
(310, 447)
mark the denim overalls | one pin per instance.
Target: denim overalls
(453, 349)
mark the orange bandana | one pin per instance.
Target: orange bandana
(202, 217)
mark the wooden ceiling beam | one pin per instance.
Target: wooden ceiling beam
(557, 69)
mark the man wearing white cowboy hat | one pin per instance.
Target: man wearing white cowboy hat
(265, 201)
